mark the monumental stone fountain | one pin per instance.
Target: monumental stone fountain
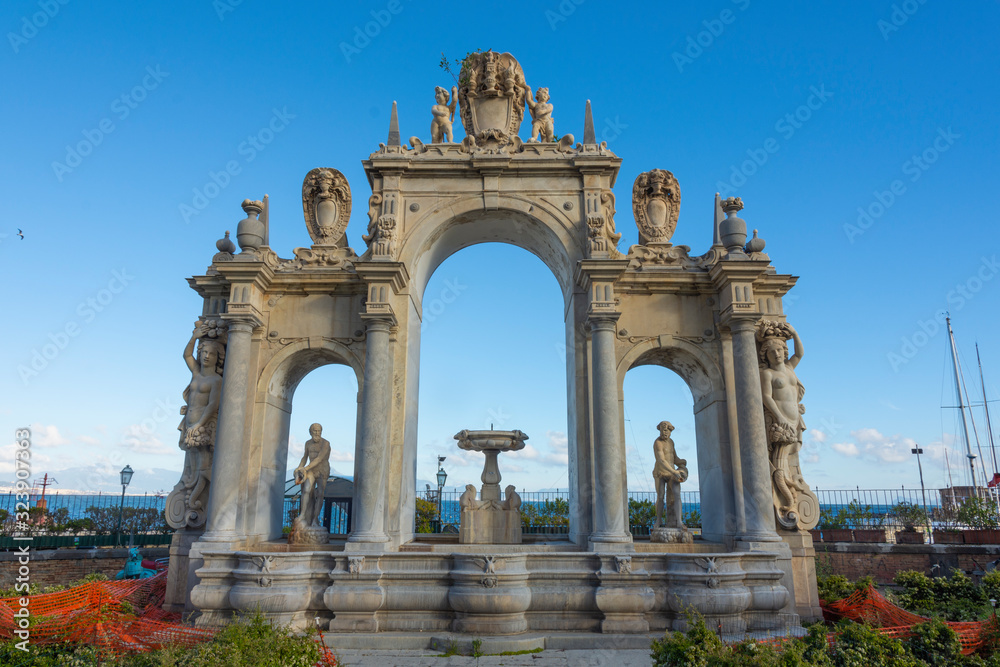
(715, 318)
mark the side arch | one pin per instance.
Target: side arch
(701, 370)
(267, 458)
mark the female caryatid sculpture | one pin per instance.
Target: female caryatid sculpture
(797, 508)
(186, 504)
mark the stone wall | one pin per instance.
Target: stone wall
(883, 561)
(62, 566)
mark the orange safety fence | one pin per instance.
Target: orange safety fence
(118, 617)
(869, 606)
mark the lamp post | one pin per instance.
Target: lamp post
(126, 478)
(923, 492)
(442, 477)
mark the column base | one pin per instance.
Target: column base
(610, 542)
(366, 543)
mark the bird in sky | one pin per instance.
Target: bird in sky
(21, 234)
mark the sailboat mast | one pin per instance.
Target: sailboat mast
(961, 407)
(986, 409)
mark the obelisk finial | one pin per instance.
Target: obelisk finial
(589, 136)
(393, 128)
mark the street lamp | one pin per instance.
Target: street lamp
(126, 478)
(923, 492)
(442, 477)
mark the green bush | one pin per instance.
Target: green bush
(426, 513)
(549, 513)
(935, 643)
(692, 519)
(953, 598)
(831, 520)
(641, 513)
(978, 513)
(908, 515)
(253, 642)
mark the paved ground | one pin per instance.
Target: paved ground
(547, 658)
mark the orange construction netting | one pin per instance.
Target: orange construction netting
(870, 607)
(117, 617)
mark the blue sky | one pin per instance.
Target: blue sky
(862, 139)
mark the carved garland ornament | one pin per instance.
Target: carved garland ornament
(656, 203)
(326, 204)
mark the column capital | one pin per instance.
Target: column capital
(603, 321)
(381, 321)
(244, 322)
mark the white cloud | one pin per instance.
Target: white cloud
(559, 444)
(895, 449)
(846, 448)
(46, 436)
(336, 455)
(529, 452)
(817, 435)
(87, 440)
(141, 441)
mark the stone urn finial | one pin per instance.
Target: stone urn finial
(226, 244)
(250, 230)
(756, 244)
(733, 229)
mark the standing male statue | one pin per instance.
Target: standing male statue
(312, 473)
(668, 474)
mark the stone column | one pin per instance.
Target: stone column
(758, 504)
(220, 526)
(369, 469)
(609, 450)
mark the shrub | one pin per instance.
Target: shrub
(549, 513)
(978, 513)
(641, 513)
(831, 520)
(935, 643)
(953, 598)
(426, 513)
(693, 519)
(908, 515)
(856, 515)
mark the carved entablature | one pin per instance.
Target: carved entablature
(326, 204)
(491, 99)
(656, 203)
(319, 257)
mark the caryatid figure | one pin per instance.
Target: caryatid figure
(312, 473)
(444, 114)
(782, 393)
(668, 473)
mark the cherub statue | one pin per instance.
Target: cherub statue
(444, 114)
(541, 115)
(668, 474)
(312, 473)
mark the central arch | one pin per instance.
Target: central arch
(538, 226)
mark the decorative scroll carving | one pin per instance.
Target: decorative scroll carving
(188, 501)
(319, 258)
(326, 203)
(796, 507)
(491, 100)
(656, 203)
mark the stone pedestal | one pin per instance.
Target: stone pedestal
(489, 594)
(803, 574)
(355, 595)
(490, 526)
(309, 535)
(179, 584)
(624, 596)
(671, 535)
